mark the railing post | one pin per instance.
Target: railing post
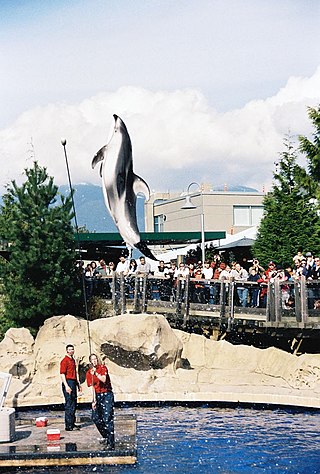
(122, 294)
(114, 293)
(304, 299)
(136, 294)
(231, 304)
(277, 300)
(178, 299)
(222, 298)
(270, 302)
(144, 293)
(297, 300)
(186, 301)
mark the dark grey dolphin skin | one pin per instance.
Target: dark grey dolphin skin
(120, 185)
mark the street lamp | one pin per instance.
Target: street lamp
(189, 205)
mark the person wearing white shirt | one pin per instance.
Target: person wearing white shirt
(123, 266)
(240, 275)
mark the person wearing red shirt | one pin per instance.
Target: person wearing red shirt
(70, 384)
(102, 400)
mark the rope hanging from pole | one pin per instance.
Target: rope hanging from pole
(64, 143)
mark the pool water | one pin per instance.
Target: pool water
(175, 439)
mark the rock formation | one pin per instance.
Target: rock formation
(150, 361)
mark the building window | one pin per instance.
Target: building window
(247, 216)
(158, 223)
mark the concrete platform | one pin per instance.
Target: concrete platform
(75, 448)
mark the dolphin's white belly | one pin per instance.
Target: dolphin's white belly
(117, 205)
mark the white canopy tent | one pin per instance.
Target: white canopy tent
(243, 238)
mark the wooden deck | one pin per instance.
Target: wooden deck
(75, 448)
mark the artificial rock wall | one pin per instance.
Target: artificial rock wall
(150, 361)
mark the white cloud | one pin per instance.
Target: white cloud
(176, 136)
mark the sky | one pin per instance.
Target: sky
(208, 90)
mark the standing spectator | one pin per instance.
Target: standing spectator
(310, 264)
(180, 273)
(198, 293)
(132, 267)
(102, 269)
(241, 275)
(143, 268)
(111, 268)
(162, 284)
(162, 270)
(122, 266)
(257, 267)
(271, 270)
(89, 280)
(263, 281)
(299, 256)
(254, 290)
(207, 270)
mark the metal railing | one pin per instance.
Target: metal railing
(273, 301)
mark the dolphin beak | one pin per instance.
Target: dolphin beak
(115, 116)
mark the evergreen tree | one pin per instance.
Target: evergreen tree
(310, 178)
(40, 277)
(290, 221)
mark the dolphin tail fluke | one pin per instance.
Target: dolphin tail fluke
(142, 246)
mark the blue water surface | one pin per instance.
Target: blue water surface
(175, 439)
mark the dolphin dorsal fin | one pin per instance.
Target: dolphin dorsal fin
(99, 156)
(140, 186)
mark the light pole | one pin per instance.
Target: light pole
(189, 205)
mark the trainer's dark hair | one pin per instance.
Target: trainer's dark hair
(91, 355)
(69, 345)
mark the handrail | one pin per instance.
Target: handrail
(279, 297)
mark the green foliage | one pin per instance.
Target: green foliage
(310, 179)
(40, 278)
(291, 220)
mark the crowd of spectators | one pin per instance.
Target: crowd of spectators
(251, 279)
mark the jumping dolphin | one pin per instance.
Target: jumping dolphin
(120, 185)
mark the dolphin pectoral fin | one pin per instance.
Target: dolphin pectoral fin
(100, 172)
(99, 156)
(140, 186)
(142, 246)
